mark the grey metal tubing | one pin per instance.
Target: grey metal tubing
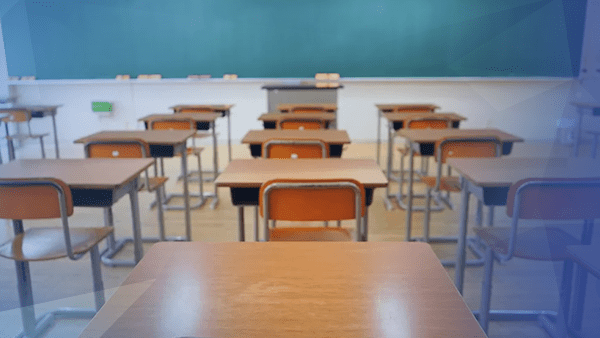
(256, 225)
(267, 145)
(459, 273)
(138, 250)
(241, 227)
(56, 149)
(486, 290)
(97, 277)
(42, 146)
(379, 116)
(314, 185)
(228, 113)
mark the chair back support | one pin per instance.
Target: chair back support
(307, 109)
(41, 198)
(171, 124)
(196, 110)
(554, 199)
(278, 148)
(301, 123)
(117, 149)
(312, 200)
(429, 123)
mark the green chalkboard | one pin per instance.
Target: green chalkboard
(293, 38)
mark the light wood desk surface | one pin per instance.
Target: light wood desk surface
(405, 116)
(214, 107)
(286, 290)
(329, 136)
(433, 135)
(276, 117)
(31, 109)
(392, 107)
(286, 107)
(203, 117)
(152, 137)
(505, 171)
(79, 173)
(253, 173)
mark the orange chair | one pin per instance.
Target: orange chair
(280, 148)
(547, 199)
(312, 200)
(301, 123)
(432, 122)
(20, 117)
(179, 124)
(46, 198)
(474, 147)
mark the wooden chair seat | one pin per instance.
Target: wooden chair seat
(539, 243)
(154, 182)
(40, 244)
(447, 183)
(403, 150)
(307, 234)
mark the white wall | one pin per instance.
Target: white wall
(528, 108)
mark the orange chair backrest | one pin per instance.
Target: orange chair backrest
(556, 199)
(302, 124)
(312, 204)
(306, 109)
(468, 147)
(432, 123)
(32, 200)
(118, 149)
(196, 110)
(17, 117)
(295, 149)
(171, 124)
(415, 109)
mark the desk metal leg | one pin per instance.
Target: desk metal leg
(256, 234)
(577, 131)
(138, 249)
(461, 253)
(581, 279)
(378, 135)
(365, 225)
(386, 200)
(55, 136)
(186, 198)
(409, 209)
(241, 227)
(229, 134)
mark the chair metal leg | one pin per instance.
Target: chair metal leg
(365, 225)
(42, 146)
(161, 216)
(559, 327)
(241, 227)
(97, 276)
(486, 290)
(256, 225)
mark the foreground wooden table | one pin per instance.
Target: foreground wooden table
(286, 290)
(245, 178)
(334, 138)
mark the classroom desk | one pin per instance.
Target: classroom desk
(582, 109)
(202, 120)
(163, 143)
(37, 112)
(489, 180)
(245, 178)
(334, 138)
(396, 121)
(397, 108)
(286, 290)
(271, 120)
(303, 92)
(223, 109)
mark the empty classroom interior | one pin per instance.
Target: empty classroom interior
(368, 86)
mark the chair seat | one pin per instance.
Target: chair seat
(154, 182)
(404, 150)
(307, 234)
(447, 183)
(539, 243)
(21, 137)
(40, 244)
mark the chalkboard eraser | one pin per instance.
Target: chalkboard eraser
(327, 76)
(334, 76)
(230, 76)
(123, 77)
(27, 78)
(198, 77)
(149, 77)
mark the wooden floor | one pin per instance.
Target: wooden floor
(517, 285)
